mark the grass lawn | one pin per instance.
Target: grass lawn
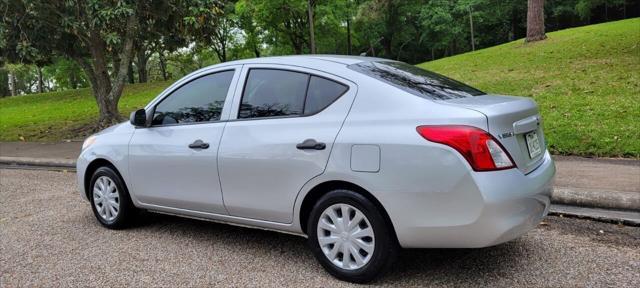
(586, 81)
(61, 115)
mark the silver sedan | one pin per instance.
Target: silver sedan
(360, 155)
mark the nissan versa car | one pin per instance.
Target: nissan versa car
(360, 155)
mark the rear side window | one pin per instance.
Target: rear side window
(200, 100)
(321, 93)
(417, 81)
(271, 92)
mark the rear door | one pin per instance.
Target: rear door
(286, 120)
(173, 163)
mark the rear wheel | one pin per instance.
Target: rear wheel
(110, 200)
(350, 238)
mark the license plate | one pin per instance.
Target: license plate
(533, 144)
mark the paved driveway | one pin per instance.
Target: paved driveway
(48, 237)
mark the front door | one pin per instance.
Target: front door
(287, 120)
(173, 163)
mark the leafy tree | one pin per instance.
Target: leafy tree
(162, 29)
(66, 74)
(82, 30)
(245, 10)
(98, 35)
(443, 26)
(384, 19)
(216, 29)
(330, 24)
(22, 79)
(64, 44)
(283, 21)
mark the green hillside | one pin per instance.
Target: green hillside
(586, 81)
(63, 115)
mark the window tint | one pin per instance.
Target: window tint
(269, 92)
(200, 100)
(321, 93)
(416, 81)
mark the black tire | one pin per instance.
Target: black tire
(126, 211)
(385, 248)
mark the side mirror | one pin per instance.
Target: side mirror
(138, 118)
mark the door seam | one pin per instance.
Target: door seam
(224, 128)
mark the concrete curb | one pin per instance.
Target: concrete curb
(598, 214)
(579, 197)
(596, 198)
(40, 162)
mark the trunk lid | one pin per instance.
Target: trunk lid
(515, 122)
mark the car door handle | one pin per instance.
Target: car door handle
(311, 144)
(199, 144)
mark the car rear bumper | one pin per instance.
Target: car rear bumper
(510, 204)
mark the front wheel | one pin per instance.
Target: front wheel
(110, 200)
(350, 238)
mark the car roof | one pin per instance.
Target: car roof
(340, 59)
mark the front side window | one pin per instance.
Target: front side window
(200, 100)
(417, 81)
(271, 92)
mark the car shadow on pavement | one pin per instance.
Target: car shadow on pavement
(416, 264)
(462, 266)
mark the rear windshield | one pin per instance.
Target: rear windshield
(414, 80)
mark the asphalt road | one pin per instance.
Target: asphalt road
(48, 237)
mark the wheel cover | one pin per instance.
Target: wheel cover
(106, 198)
(345, 236)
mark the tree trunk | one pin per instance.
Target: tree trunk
(386, 46)
(224, 53)
(312, 37)
(392, 24)
(297, 40)
(454, 47)
(108, 94)
(514, 21)
(297, 49)
(535, 21)
(130, 73)
(40, 81)
(163, 65)
(4, 85)
(12, 83)
(349, 36)
(73, 80)
(223, 50)
(141, 64)
(400, 49)
(473, 41)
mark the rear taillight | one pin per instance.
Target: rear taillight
(482, 151)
